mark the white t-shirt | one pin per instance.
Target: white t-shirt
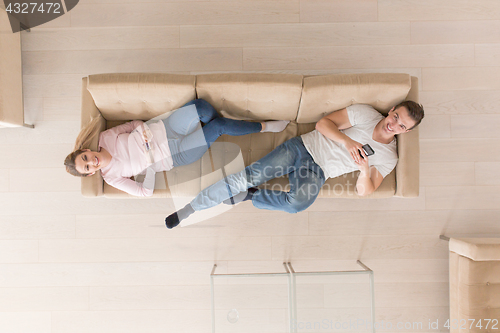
(334, 158)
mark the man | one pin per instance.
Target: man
(333, 149)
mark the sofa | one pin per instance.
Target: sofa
(303, 100)
(474, 284)
(11, 75)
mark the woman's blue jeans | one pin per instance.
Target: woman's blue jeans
(188, 140)
(290, 158)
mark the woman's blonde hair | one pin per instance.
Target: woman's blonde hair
(83, 141)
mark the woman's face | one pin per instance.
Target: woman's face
(88, 162)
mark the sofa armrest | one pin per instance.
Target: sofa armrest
(11, 76)
(477, 249)
(408, 167)
(91, 186)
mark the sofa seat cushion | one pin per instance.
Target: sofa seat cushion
(474, 290)
(252, 96)
(345, 186)
(256, 146)
(126, 96)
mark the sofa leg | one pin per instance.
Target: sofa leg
(443, 237)
(29, 126)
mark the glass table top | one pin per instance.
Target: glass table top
(339, 301)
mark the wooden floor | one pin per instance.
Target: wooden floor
(71, 264)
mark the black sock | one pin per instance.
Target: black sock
(175, 218)
(238, 197)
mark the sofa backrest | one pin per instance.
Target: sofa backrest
(323, 94)
(126, 96)
(252, 96)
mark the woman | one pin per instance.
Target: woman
(136, 147)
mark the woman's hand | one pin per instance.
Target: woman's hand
(355, 148)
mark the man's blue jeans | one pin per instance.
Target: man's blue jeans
(290, 158)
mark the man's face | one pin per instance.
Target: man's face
(398, 121)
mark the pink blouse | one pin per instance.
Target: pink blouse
(132, 156)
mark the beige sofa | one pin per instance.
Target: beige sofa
(301, 99)
(474, 284)
(11, 76)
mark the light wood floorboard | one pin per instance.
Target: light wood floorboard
(429, 10)
(460, 102)
(461, 78)
(158, 321)
(201, 12)
(21, 322)
(226, 225)
(338, 11)
(31, 156)
(149, 298)
(52, 85)
(33, 110)
(435, 127)
(108, 274)
(447, 173)
(487, 173)
(63, 108)
(24, 227)
(98, 38)
(383, 247)
(46, 180)
(158, 249)
(294, 35)
(153, 60)
(458, 149)
(487, 54)
(412, 222)
(66, 203)
(51, 132)
(43, 299)
(4, 180)
(18, 251)
(475, 126)
(355, 57)
(455, 32)
(463, 197)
